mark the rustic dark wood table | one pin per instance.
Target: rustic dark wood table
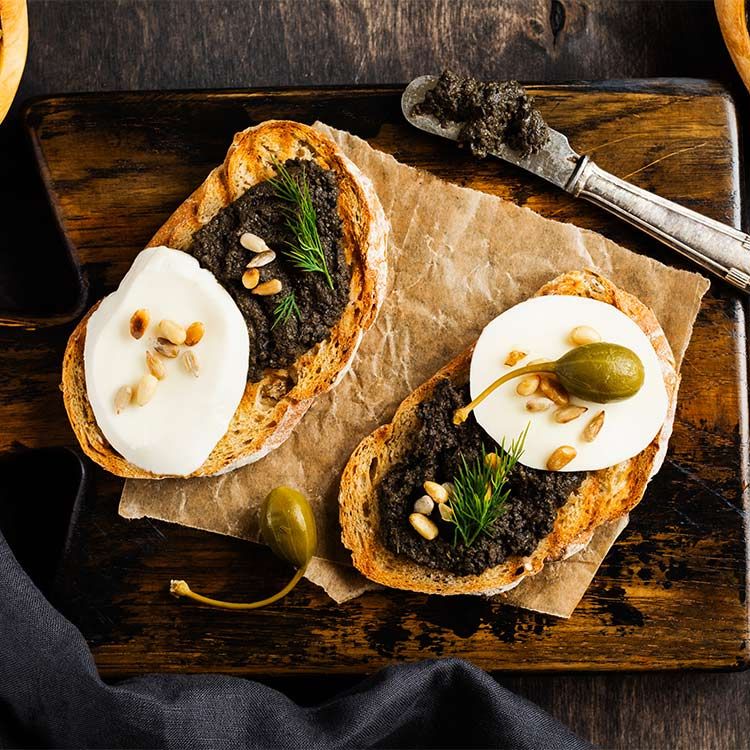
(78, 45)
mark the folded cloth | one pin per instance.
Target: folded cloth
(52, 695)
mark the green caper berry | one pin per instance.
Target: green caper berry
(598, 372)
(287, 526)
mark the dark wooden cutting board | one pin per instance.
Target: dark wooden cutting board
(671, 593)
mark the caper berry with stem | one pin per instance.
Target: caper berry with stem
(599, 372)
(287, 526)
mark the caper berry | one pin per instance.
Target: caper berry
(599, 372)
(287, 526)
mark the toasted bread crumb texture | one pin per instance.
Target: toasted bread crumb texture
(604, 496)
(270, 408)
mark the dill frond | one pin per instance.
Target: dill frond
(285, 308)
(306, 252)
(481, 493)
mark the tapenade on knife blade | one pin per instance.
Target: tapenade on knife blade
(276, 342)
(437, 453)
(492, 114)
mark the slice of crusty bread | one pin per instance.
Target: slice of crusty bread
(604, 496)
(270, 408)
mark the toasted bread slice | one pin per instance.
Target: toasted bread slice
(604, 495)
(271, 407)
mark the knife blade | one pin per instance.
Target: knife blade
(721, 249)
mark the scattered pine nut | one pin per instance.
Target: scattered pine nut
(553, 390)
(423, 526)
(581, 335)
(194, 333)
(252, 242)
(538, 403)
(267, 288)
(514, 357)
(592, 429)
(262, 259)
(568, 413)
(172, 331)
(491, 460)
(424, 505)
(450, 488)
(166, 348)
(139, 323)
(145, 389)
(155, 366)
(528, 385)
(250, 278)
(123, 397)
(190, 363)
(561, 457)
(446, 512)
(436, 491)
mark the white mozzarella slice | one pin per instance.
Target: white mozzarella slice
(175, 432)
(541, 327)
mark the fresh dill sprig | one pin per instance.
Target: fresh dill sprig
(481, 493)
(284, 309)
(306, 253)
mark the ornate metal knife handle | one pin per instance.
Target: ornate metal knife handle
(717, 247)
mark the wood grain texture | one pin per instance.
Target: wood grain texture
(117, 165)
(91, 45)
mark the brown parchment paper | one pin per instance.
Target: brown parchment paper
(457, 258)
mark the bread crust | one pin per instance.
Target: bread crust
(604, 495)
(261, 423)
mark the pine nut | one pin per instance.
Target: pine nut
(250, 278)
(553, 390)
(190, 363)
(568, 413)
(145, 389)
(446, 512)
(194, 333)
(538, 403)
(166, 348)
(528, 385)
(581, 335)
(514, 357)
(252, 242)
(450, 488)
(436, 491)
(123, 397)
(172, 331)
(592, 429)
(262, 259)
(491, 460)
(424, 505)
(267, 288)
(139, 323)
(561, 457)
(155, 366)
(423, 526)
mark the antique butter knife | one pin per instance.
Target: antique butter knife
(719, 248)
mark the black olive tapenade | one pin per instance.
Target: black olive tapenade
(492, 114)
(436, 453)
(260, 211)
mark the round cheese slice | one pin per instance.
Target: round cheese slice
(541, 327)
(174, 432)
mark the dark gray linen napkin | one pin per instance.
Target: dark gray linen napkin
(52, 695)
